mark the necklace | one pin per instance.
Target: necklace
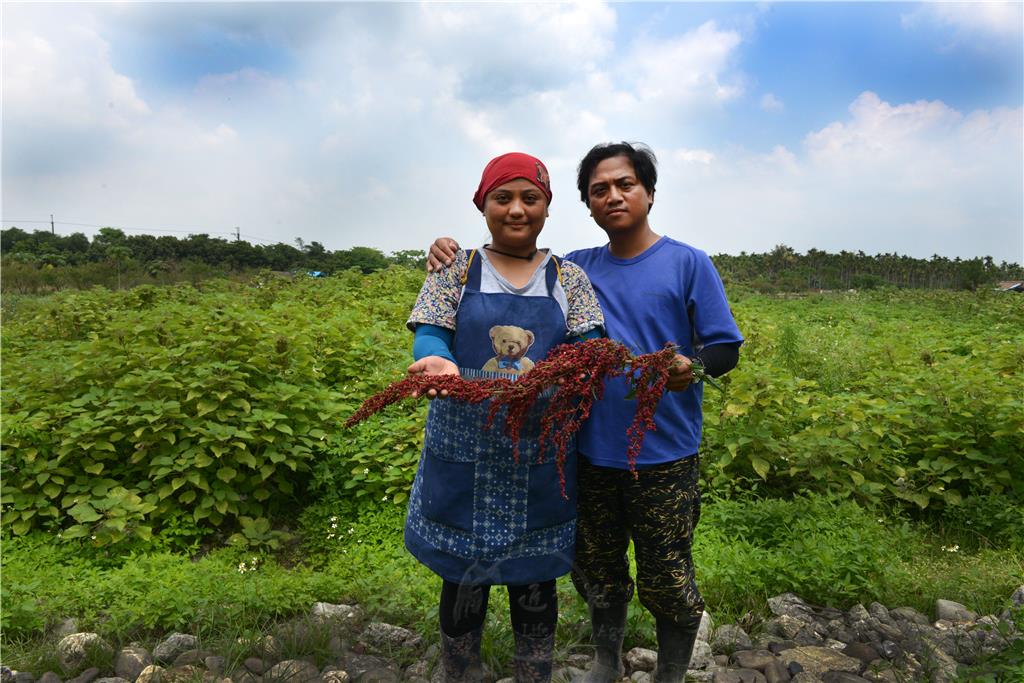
(505, 253)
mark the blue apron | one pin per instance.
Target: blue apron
(475, 516)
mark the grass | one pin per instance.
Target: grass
(825, 550)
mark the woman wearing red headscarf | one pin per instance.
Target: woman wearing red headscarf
(476, 517)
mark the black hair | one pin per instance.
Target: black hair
(645, 164)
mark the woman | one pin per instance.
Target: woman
(476, 517)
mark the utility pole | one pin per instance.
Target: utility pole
(238, 234)
(52, 231)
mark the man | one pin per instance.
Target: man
(652, 290)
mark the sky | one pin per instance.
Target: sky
(876, 127)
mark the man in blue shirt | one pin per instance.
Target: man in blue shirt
(652, 290)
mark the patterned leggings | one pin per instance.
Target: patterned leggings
(533, 608)
(659, 511)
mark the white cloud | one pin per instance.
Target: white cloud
(771, 103)
(914, 178)
(698, 156)
(79, 92)
(999, 19)
(686, 69)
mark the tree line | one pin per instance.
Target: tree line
(43, 261)
(784, 269)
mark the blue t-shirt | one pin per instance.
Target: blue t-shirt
(669, 293)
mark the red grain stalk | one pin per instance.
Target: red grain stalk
(418, 385)
(577, 370)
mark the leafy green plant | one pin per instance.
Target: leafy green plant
(256, 534)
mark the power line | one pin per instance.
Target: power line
(196, 231)
(193, 231)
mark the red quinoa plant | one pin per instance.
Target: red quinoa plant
(577, 373)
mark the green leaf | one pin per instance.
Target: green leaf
(226, 474)
(760, 466)
(93, 468)
(84, 513)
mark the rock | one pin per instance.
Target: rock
(337, 677)
(387, 637)
(358, 665)
(729, 638)
(701, 657)
(24, 677)
(49, 677)
(775, 647)
(191, 658)
(73, 650)
(150, 674)
(255, 665)
(707, 625)
(182, 674)
(6, 674)
(858, 613)
(833, 644)
(578, 660)
(909, 614)
(879, 611)
(841, 677)
(420, 669)
(738, 676)
(640, 677)
(214, 664)
(243, 676)
(752, 659)
(783, 626)
(776, 672)
(805, 677)
(818, 660)
(790, 605)
(380, 675)
(325, 611)
(862, 651)
(811, 634)
(890, 650)
(131, 661)
(641, 659)
(699, 676)
(953, 611)
(112, 679)
(940, 665)
(65, 628)
(172, 646)
(292, 671)
(86, 676)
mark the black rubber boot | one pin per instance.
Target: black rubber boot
(460, 657)
(532, 661)
(608, 628)
(675, 645)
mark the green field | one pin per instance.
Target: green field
(155, 438)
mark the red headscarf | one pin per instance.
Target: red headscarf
(508, 167)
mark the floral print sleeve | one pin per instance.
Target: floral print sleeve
(584, 311)
(439, 297)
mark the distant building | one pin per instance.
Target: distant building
(1011, 286)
